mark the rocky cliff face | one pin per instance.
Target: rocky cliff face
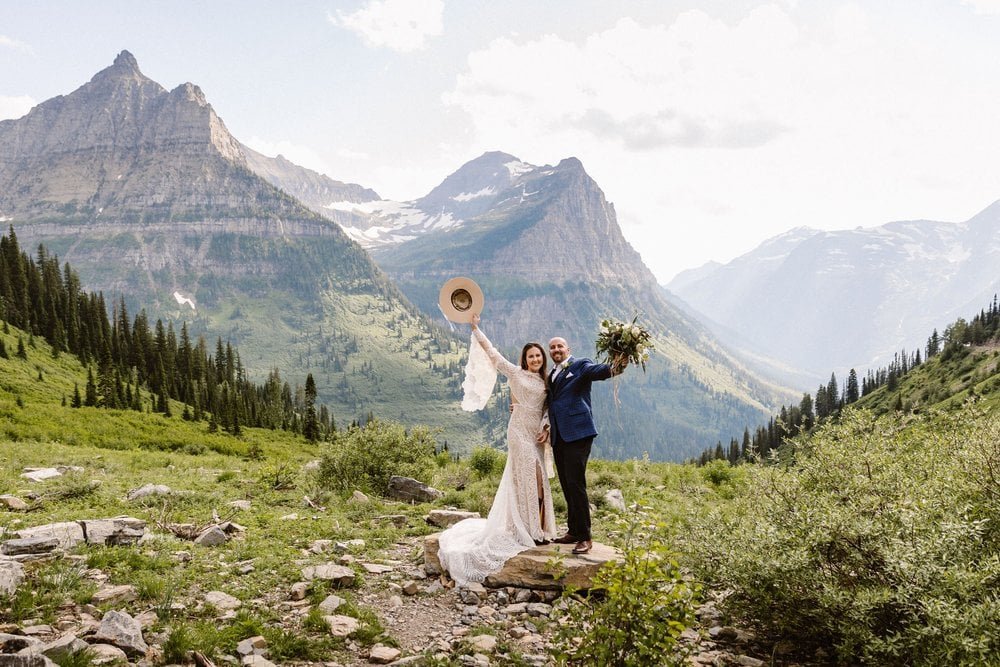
(827, 301)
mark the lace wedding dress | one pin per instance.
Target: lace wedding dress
(473, 549)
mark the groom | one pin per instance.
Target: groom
(572, 431)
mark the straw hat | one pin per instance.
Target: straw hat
(460, 299)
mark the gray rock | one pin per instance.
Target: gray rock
(338, 574)
(747, 661)
(615, 500)
(149, 490)
(116, 531)
(299, 590)
(255, 660)
(411, 588)
(358, 497)
(40, 474)
(222, 601)
(242, 505)
(342, 626)
(539, 609)
(29, 545)
(33, 630)
(212, 536)
(26, 660)
(331, 603)
(446, 518)
(383, 655)
(106, 654)
(377, 568)
(252, 646)
(483, 643)
(15, 643)
(411, 490)
(61, 646)
(11, 576)
(320, 546)
(121, 630)
(515, 609)
(13, 503)
(69, 533)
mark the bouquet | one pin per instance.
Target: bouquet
(621, 342)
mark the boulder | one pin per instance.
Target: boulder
(212, 536)
(256, 645)
(147, 490)
(120, 629)
(411, 490)
(483, 643)
(40, 474)
(68, 533)
(331, 603)
(383, 655)
(446, 518)
(338, 574)
(26, 660)
(15, 643)
(358, 497)
(106, 654)
(342, 626)
(223, 601)
(13, 503)
(615, 500)
(116, 531)
(254, 660)
(11, 576)
(534, 568)
(61, 647)
(29, 545)
(377, 568)
(114, 594)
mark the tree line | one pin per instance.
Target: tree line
(830, 399)
(133, 364)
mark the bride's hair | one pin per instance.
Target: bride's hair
(524, 358)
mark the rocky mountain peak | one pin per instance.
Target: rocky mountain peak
(473, 188)
(125, 68)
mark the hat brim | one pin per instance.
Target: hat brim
(460, 299)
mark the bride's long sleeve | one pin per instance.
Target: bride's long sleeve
(498, 359)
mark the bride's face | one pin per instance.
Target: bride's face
(534, 359)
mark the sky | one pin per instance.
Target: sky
(711, 125)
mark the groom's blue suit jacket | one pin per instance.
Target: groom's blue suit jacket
(570, 415)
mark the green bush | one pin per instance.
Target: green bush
(637, 610)
(366, 457)
(487, 461)
(880, 540)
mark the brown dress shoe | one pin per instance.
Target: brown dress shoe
(566, 539)
(583, 546)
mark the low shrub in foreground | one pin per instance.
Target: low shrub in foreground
(364, 458)
(880, 540)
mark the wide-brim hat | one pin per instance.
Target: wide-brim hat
(460, 299)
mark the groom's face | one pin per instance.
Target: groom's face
(558, 350)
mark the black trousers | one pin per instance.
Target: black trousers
(571, 465)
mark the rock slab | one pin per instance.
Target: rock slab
(119, 629)
(411, 490)
(446, 518)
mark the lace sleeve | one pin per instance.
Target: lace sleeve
(480, 376)
(498, 359)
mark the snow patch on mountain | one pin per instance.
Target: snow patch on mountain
(182, 300)
(517, 168)
(469, 196)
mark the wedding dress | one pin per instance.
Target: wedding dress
(473, 549)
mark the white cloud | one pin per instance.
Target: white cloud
(399, 25)
(15, 107)
(984, 6)
(300, 155)
(711, 134)
(15, 44)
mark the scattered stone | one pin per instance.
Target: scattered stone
(395, 602)
(256, 645)
(33, 630)
(522, 595)
(11, 576)
(356, 543)
(747, 661)
(254, 660)
(615, 500)
(26, 660)
(212, 536)
(246, 568)
(342, 626)
(723, 633)
(106, 654)
(13, 503)
(114, 594)
(69, 533)
(146, 619)
(182, 556)
(518, 632)
(331, 603)
(358, 497)
(29, 545)
(446, 518)
(321, 546)
(289, 517)
(383, 655)
(483, 643)
(120, 629)
(434, 587)
(299, 590)
(411, 588)
(41, 474)
(398, 520)
(411, 490)
(376, 568)
(515, 609)
(149, 490)
(117, 531)
(222, 601)
(340, 575)
(242, 505)
(61, 647)
(539, 609)
(231, 528)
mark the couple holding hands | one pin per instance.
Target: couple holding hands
(550, 416)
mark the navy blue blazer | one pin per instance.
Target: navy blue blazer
(570, 414)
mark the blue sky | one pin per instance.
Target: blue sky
(710, 125)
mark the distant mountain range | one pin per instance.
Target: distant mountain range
(147, 194)
(835, 300)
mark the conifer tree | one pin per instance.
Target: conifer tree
(310, 426)
(21, 352)
(77, 401)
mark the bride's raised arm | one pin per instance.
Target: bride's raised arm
(504, 366)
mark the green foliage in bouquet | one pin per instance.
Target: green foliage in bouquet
(621, 342)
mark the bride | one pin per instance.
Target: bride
(521, 516)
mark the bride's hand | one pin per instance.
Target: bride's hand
(475, 321)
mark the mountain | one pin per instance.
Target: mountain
(835, 300)
(545, 246)
(150, 197)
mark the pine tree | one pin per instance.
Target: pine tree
(77, 402)
(851, 394)
(21, 352)
(3, 350)
(91, 391)
(310, 426)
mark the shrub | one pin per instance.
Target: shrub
(879, 540)
(637, 610)
(366, 457)
(487, 461)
